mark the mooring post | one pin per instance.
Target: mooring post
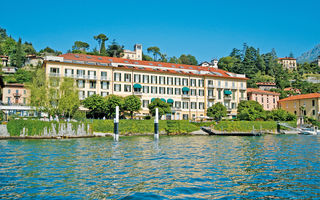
(116, 125)
(156, 125)
(278, 127)
(315, 130)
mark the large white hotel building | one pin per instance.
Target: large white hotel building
(189, 89)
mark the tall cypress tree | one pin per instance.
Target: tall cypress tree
(19, 54)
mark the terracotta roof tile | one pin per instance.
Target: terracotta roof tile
(301, 96)
(254, 90)
(108, 60)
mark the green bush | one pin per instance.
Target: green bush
(180, 126)
(34, 127)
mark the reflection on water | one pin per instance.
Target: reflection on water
(173, 167)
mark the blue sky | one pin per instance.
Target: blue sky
(205, 29)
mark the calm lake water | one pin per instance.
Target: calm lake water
(181, 167)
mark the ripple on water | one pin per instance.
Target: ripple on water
(185, 167)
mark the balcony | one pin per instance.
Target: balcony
(210, 86)
(229, 109)
(54, 75)
(186, 96)
(91, 77)
(16, 95)
(227, 98)
(138, 93)
(69, 75)
(242, 99)
(105, 78)
(175, 109)
(80, 76)
(243, 88)
(211, 98)
(220, 86)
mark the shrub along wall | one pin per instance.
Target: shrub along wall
(37, 127)
(144, 126)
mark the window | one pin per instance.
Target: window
(81, 73)
(154, 79)
(9, 91)
(219, 83)
(177, 91)
(104, 94)
(226, 84)
(127, 77)
(210, 82)
(210, 93)
(193, 82)
(274, 100)
(145, 103)
(233, 105)
(242, 94)
(169, 90)
(90, 93)
(117, 76)
(92, 84)
(241, 85)
(177, 104)
(145, 78)
(162, 90)
(185, 116)
(169, 80)
(200, 83)
(145, 89)
(127, 88)
(24, 91)
(193, 92)
(313, 102)
(185, 82)
(17, 91)
(154, 90)
(117, 87)
(201, 92)
(92, 74)
(137, 78)
(82, 95)
(24, 100)
(233, 95)
(54, 70)
(81, 83)
(178, 81)
(103, 76)
(105, 85)
(219, 94)
(201, 105)
(262, 98)
(162, 80)
(9, 100)
(193, 105)
(185, 105)
(233, 85)
(313, 112)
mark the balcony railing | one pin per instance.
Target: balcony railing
(80, 76)
(175, 109)
(138, 93)
(211, 97)
(210, 86)
(228, 98)
(92, 77)
(186, 96)
(104, 78)
(16, 94)
(54, 75)
(242, 99)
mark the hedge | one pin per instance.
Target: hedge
(35, 127)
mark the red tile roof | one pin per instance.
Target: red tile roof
(265, 83)
(287, 58)
(301, 96)
(108, 60)
(258, 91)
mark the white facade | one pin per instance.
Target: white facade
(133, 55)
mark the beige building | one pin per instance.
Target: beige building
(136, 54)
(288, 63)
(15, 94)
(189, 89)
(268, 100)
(33, 60)
(266, 85)
(302, 105)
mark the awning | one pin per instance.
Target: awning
(153, 99)
(185, 89)
(227, 92)
(170, 101)
(137, 86)
(162, 99)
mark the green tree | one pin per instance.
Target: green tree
(115, 50)
(69, 101)
(217, 111)
(28, 48)
(38, 91)
(231, 64)
(174, 60)
(188, 59)
(112, 102)
(80, 46)
(146, 57)
(19, 57)
(282, 115)
(132, 104)
(49, 50)
(163, 107)
(250, 110)
(155, 52)
(97, 106)
(102, 38)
